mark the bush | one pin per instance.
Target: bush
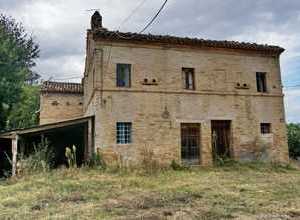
(294, 140)
(224, 161)
(70, 154)
(41, 159)
(177, 166)
(96, 161)
(149, 164)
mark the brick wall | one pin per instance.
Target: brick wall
(57, 107)
(216, 97)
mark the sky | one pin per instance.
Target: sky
(59, 26)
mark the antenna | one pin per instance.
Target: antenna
(93, 9)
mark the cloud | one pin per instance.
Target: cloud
(60, 28)
(292, 100)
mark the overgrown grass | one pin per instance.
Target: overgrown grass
(231, 191)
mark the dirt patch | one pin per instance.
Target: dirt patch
(74, 197)
(40, 205)
(155, 206)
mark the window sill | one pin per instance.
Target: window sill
(266, 134)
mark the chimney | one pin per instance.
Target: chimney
(96, 21)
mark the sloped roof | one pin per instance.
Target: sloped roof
(104, 34)
(45, 127)
(62, 87)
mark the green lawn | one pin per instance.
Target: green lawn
(252, 191)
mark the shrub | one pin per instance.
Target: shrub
(41, 159)
(294, 139)
(96, 161)
(70, 154)
(177, 166)
(224, 161)
(149, 163)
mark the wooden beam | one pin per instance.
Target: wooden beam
(90, 139)
(85, 136)
(14, 147)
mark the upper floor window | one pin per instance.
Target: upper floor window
(265, 128)
(124, 132)
(261, 82)
(188, 78)
(123, 75)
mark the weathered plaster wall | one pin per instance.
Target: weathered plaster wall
(57, 107)
(216, 98)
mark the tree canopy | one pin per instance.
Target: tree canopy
(18, 52)
(294, 139)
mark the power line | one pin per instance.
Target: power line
(155, 16)
(78, 77)
(148, 25)
(294, 86)
(65, 75)
(132, 13)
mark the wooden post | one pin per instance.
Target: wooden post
(89, 138)
(14, 147)
(85, 133)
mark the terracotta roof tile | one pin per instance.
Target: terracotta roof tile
(62, 87)
(105, 34)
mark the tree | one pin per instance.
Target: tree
(17, 53)
(24, 113)
(294, 139)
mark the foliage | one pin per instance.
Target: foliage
(24, 113)
(7, 173)
(17, 53)
(39, 160)
(177, 166)
(223, 161)
(149, 164)
(96, 161)
(71, 156)
(294, 139)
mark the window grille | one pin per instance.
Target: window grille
(124, 132)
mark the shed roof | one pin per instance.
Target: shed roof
(45, 127)
(62, 87)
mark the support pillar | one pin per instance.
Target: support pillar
(14, 147)
(206, 146)
(89, 140)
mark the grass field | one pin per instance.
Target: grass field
(251, 191)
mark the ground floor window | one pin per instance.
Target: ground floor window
(124, 132)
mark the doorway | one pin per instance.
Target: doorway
(190, 143)
(221, 136)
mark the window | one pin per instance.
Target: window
(188, 78)
(261, 82)
(123, 75)
(265, 128)
(123, 132)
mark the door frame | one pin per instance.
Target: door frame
(229, 134)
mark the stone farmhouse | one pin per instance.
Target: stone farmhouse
(184, 99)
